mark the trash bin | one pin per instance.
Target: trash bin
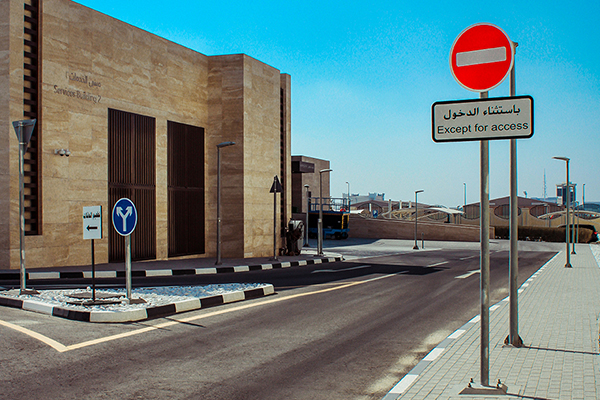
(295, 237)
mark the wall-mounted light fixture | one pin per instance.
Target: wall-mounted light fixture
(62, 152)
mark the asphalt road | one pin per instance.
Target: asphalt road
(347, 330)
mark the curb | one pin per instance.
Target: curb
(414, 373)
(35, 276)
(139, 314)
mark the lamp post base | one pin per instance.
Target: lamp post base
(477, 389)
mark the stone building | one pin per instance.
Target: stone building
(305, 171)
(124, 113)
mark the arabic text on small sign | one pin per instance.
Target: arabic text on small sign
(483, 119)
(92, 222)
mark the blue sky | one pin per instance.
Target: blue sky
(365, 74)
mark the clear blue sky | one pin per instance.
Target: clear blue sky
(365, 74)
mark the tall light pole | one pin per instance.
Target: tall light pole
(348, 186)
(566, 160)
(465, 194)
(416, 218)
(307, 211)
(219, 147)
(24, 130)
(320, 224)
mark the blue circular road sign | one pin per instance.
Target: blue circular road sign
(124, 216)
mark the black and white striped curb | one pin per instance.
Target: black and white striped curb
(43, 275)
(140, 313)
(433, 355)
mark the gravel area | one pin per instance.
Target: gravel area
(153, 296)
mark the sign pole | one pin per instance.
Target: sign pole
(124, 218)
(485, 259)
(128, 266)
(93, 274)
(513, 283)
(274, 220)
(275, 188)
(92, 229)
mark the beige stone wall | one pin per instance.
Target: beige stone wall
(261, 156)
(92, 62)
(226, 123)
(7, 146)
(380, 228)
(13, 92)
(526, 219)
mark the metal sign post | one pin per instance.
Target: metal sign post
(485, 258)
(124, 219)
(513, 281)
(481, 57)
(24, 130)
(92, 229)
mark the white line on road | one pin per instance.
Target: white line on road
(175, 321)
(435, 265)
(340, 270)
(468, 274)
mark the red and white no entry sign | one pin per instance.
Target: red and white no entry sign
(481, 57)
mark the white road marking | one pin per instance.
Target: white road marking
(468, 274)
(340, 270)
(259, 302)
(435, 265)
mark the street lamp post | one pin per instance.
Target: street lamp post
(416, 247)
(307, 211)
(348, 186)
(24, 130)
(320, 223)
(219, 146)
(567, 236)
(465, 194)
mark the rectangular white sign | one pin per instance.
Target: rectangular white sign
(482, 119)
(92, 222)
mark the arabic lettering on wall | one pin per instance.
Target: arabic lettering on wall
(491, 110)
(80, 80)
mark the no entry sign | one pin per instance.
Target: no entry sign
(481, 57)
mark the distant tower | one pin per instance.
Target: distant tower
(545, 194)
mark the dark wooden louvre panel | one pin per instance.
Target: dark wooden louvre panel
(31, 110)
(186, 189)
(132, 174)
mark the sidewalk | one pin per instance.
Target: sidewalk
(558, 311)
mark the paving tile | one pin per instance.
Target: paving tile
(558, 309)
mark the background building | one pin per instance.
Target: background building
(305, 171)
(140, 117)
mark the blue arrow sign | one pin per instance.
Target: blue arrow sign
(124, 216)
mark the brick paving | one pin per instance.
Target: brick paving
(558, 322)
